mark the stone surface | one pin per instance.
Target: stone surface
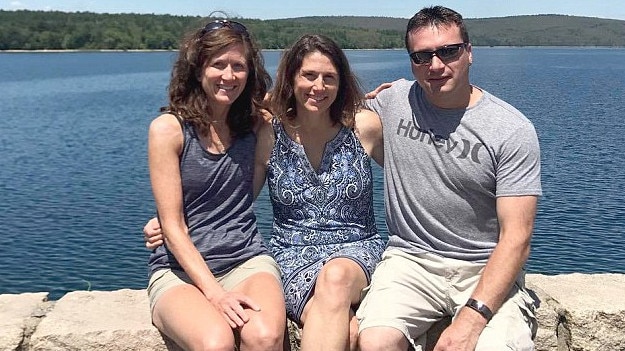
(546, 335)
(18, 314)
(590, 309)
(576, 312)
(97, 320)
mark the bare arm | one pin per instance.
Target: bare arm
(164, 146)
(369, 131)
(516, 216)
(264, 145)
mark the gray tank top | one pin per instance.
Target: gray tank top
(218, 198)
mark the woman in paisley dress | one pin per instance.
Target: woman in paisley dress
(316, 155)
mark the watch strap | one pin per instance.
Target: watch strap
(480, 307)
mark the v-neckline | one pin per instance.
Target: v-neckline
(329, 145)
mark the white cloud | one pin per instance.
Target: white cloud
(19, 5)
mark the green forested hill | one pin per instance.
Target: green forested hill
(53, 30)
(547, 30)
(537, 30)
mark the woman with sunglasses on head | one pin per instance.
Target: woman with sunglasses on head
(316, 154)
(214, 284)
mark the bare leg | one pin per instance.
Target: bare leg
(265, 329)
(327, 314)
(382, 339)
(353, 331)
(186, 316)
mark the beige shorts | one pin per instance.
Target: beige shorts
(411, 292)
(165, 279)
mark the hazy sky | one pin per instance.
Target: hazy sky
(272, 9)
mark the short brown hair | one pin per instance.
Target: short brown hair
(436, 16)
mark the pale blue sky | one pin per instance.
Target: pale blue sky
(272, 9)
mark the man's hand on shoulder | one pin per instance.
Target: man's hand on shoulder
(372, 94)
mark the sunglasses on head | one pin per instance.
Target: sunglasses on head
(445, 53)
(218, 24)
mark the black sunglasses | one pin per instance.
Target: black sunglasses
(445, 53)
(235, 26)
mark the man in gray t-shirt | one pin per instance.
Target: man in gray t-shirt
(462, 179)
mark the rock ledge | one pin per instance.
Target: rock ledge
(577, 312)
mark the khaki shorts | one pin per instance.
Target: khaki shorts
(411, 292)
(165, 279)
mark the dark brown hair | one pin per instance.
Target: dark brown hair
(436, 16)
(349, 96)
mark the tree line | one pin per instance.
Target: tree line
(55, 30)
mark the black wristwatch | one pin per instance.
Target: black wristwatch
(481, 308)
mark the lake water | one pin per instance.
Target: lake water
(75, 193)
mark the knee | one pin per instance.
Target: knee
(264, 342)
(269, 340)
(367, 342)
(211, 343)
(336, 280)
(263, 337)
(382, 339)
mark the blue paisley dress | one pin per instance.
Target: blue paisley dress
(320, 215)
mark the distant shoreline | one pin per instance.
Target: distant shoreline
(53, 51)
(56, 51)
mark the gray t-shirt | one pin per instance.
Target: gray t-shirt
(444, 169)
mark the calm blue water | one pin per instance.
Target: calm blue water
(74, 188)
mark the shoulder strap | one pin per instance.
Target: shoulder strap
(175, 114)
(184, 128)
(277, 125)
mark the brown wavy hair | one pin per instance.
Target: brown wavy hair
(349, 96)
(186, 96)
